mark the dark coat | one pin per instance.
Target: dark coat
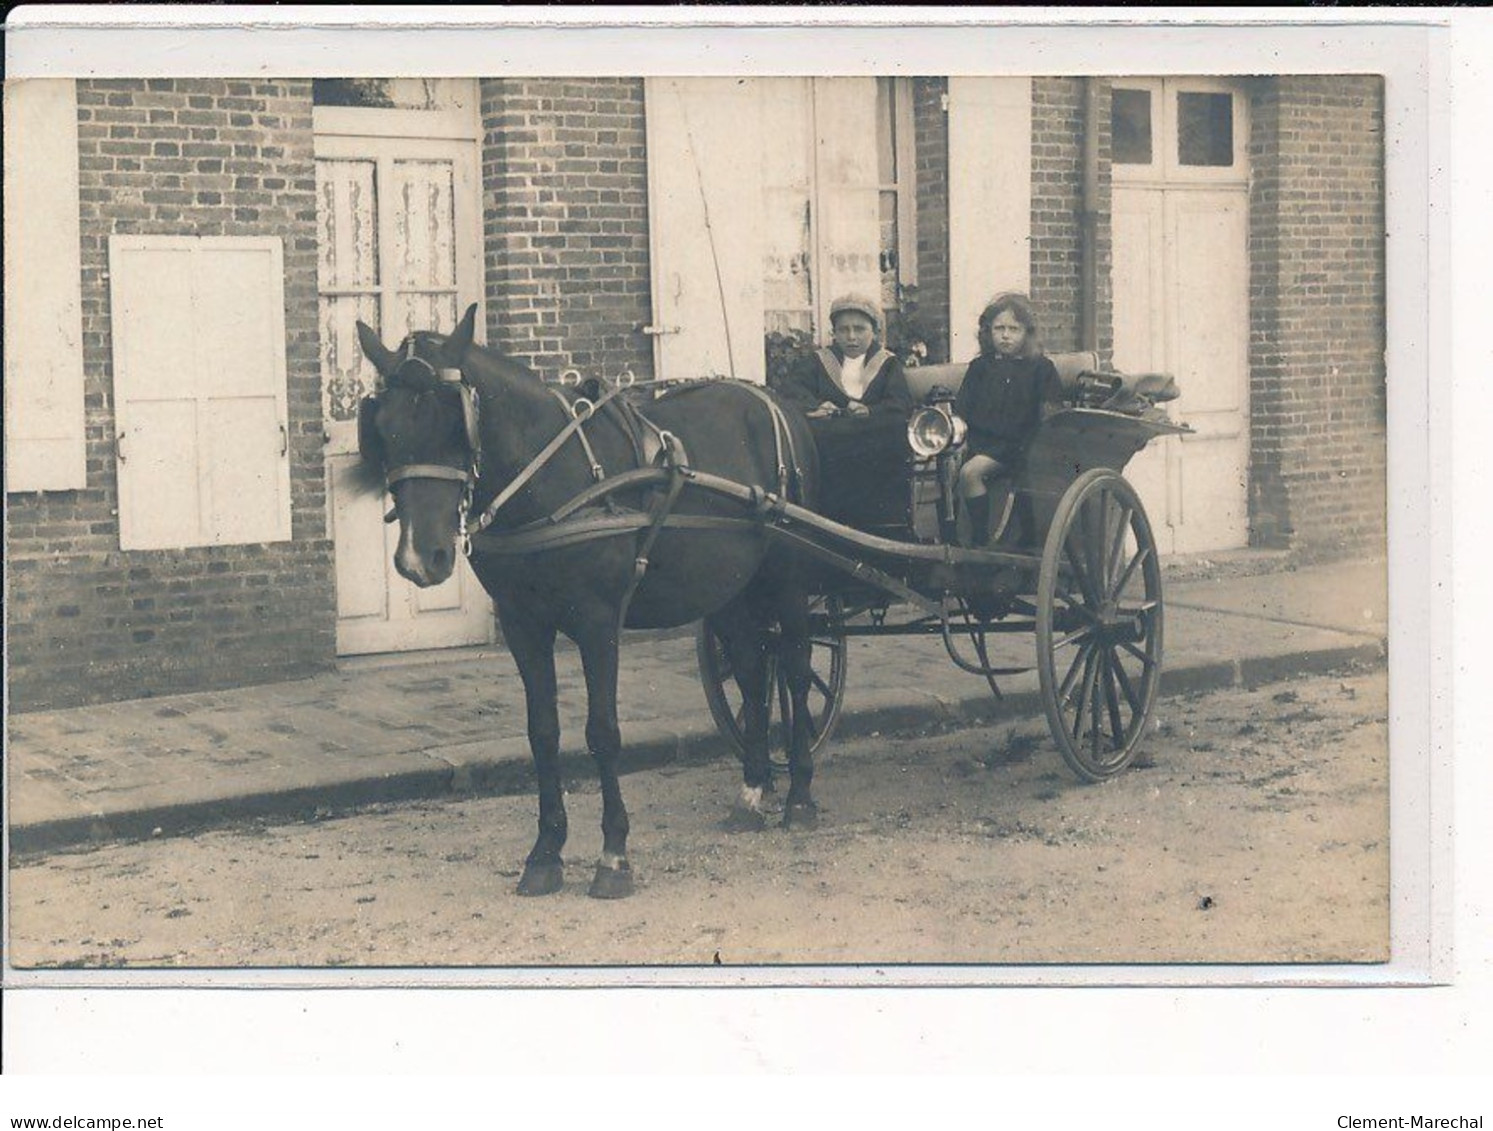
(816, 379)
(1001, 400)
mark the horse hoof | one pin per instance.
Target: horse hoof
(801, 815)
(541, 879)
(744, 820)
(611, 883)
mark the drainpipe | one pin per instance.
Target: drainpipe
(1088, 220)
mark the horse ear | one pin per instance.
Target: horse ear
(456, 345)
(383, 359)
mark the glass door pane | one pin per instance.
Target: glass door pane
(787, 168)
(849, 176)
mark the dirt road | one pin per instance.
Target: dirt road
(1258, 833)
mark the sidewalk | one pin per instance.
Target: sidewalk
(447, 723)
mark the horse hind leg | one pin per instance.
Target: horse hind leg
(746, 646)
(600, 659)
(799, 808)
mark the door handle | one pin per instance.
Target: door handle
(119, 447)
(284, 440)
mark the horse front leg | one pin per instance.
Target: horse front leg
(533, 646)
(600, 660)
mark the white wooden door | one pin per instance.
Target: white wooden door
(705, 211)
(1181, 304)
(400, 248)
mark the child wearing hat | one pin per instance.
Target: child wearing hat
(1002, 399)
(853, 375)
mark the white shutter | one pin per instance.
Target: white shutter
(44, 421)
(200, 390)
(990, 197)
(706, 216)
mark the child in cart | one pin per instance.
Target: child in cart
(1006, 392)
(856, 396)
(854, 375)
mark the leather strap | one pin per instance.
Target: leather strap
(663, 505)
(545, 455)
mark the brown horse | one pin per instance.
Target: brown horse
(454, 424)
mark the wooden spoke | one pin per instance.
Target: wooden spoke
(1116, 549)
(1077, 606)
(1079, 634)
(1140, 556)
(1094, 726)
(1137, 653)
(1124, 680)
(1089, 668)
(785, 705)
(1090, 594)
(819, 682)
(1067, 685)
(1112, 699)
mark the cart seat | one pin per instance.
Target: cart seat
(922, 378)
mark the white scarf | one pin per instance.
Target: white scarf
(852, 376)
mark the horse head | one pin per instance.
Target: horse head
(419, 430)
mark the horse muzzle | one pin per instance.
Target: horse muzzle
(426, 569)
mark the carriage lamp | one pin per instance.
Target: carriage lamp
(935, 429)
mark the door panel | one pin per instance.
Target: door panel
(849, 188)
(1140, 336)
(1208, 232)
(706, 213)
(400, 249)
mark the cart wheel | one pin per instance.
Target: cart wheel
(827, 660)
(1099, 619)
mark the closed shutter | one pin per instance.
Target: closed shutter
(44, 420)
(990, 198)
(707, 219)
(200, 390)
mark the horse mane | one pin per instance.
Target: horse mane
(490, 362)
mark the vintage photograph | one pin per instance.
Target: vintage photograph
(617, 523)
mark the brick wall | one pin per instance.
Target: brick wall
(1317, 315)
(87, 622)
(1057, 204)
(565, 204)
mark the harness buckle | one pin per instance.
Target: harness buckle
(570, 377)
(580, 413)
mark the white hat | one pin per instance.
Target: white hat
(858, 303)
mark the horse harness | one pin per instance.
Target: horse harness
(652, 447)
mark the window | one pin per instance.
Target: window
(387, 256)
(1183, 130)
(200, 392)
(1130, 125)
(1205, 128)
